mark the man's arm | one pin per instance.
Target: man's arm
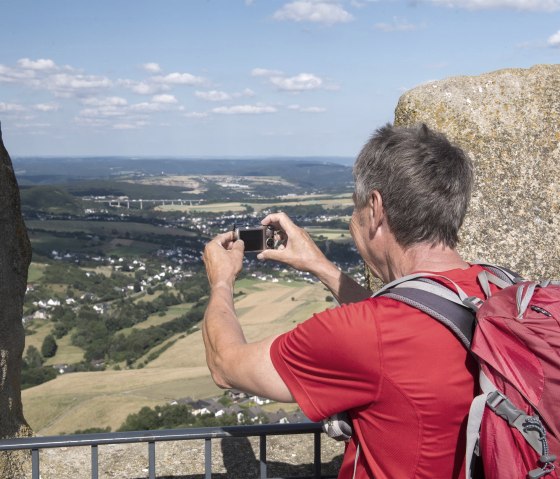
(232, 361)
(302, 253)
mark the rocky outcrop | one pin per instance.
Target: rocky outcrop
(15, 256)
(509, 123)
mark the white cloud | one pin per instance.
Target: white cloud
(531, 5)
(12, 75)
(245, 92)
(196, 114)
(146, 107)
(313, 11)
(301, 82)
(65, 84)
(10, 107)
(265, 72)
(554, 40)
(106, 101)
(179, 79)
(44, 74)
(102, 110)
(143, 88)
(164, 99)
(46, 107)
(107, 111)
(307, 109)
(212, 95)
(244, 109)
(41, 64)
(151, 67)
(130, 126)
(397, 25)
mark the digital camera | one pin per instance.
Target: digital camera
(258, 238)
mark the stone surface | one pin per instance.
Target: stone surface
(15, 256)
(509, 123)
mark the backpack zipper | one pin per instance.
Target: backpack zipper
(541, 310)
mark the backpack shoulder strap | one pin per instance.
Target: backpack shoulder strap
(505, 274)
(437, 304)
(451, 307)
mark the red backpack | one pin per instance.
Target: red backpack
(514, 424)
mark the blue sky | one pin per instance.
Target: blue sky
(232, 78)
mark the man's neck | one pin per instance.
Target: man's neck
(422, 258)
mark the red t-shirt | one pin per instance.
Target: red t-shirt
(405, 379)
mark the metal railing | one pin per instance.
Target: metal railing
(35, 444)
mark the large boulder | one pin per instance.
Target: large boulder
(15, 256)
(509, 123)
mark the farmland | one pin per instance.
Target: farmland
(87, 399)
(118, 285)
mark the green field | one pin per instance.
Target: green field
(35, 272)
(156, 319)
(331, 234)
(66, 353)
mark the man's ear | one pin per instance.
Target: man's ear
(376, 211)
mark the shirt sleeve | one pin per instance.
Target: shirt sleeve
(331, 362)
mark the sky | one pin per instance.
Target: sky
(242, 78)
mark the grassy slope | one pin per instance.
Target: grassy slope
(100, 399)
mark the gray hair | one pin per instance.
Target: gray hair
(424, 180)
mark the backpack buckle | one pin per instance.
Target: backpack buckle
(473, 303)
(503, 407)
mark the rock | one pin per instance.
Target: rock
(509, 123)
(15, 256)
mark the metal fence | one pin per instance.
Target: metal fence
(35, 444)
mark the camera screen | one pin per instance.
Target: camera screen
(253, 239)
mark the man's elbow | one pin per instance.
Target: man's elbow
(218, 374)
(220, 380)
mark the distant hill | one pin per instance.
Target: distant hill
(306, 173)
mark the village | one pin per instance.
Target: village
(245, 408)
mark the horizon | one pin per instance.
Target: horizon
(245, 78)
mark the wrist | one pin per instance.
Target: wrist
(222, 284)
(325, 269)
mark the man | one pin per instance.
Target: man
(405, 380)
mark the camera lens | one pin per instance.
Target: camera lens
(270, 243)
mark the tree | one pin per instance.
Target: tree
(49, 347)
(33, 358)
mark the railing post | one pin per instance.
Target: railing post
(317, 455)
(262, 456)
(94, 462)
(35, 464)
(152, 459)
(208, 458)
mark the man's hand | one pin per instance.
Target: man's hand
(223, 258)
(300, 251)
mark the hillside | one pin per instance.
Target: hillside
(50, 199)
(100, 399)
